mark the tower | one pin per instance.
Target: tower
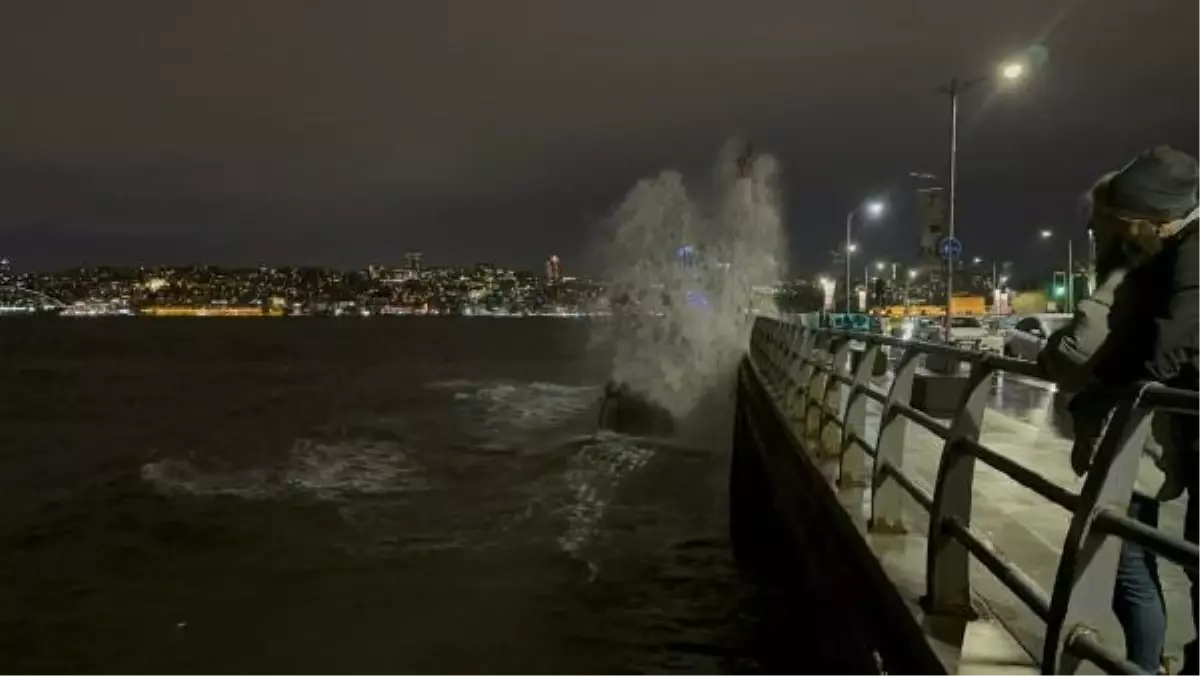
(553, 270)
(412, 264)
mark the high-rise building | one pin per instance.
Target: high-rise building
(553, 270)
(412, 262)
(5, 271)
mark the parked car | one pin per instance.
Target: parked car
(965, 332)
(1029, 334)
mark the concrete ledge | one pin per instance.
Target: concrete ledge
(988, 648)
(789, 526)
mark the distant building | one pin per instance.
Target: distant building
(553, 270)
(412, 263)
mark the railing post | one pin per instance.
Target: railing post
(947, 567)
(852, 466)
(797, 396)
(831, 400)
(887, 498)
(817, 383)
(1087, 569)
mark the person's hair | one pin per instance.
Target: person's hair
(1137, 237)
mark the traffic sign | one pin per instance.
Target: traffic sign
(950, 248)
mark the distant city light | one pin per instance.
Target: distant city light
(697, 299)
(880, 265)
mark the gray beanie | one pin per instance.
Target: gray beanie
(1159, 184)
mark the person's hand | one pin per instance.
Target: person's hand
(1082, 452)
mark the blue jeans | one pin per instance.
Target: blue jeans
(1137, 598)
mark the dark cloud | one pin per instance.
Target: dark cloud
(346, 132)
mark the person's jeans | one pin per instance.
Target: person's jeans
(1190, 462)
(1137, 598)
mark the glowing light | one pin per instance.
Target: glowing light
(875, 209)
(1047, 234)
(697, 299)
(1012, 71)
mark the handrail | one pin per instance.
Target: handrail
(806, 370)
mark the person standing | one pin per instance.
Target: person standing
(1141, 325)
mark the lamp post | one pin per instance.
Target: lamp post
(1011, 71)
(866, 288)
(1070, 304)
(912, 274)
(874, 209)
(995, 283)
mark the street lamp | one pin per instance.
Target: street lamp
(912, 274)
(1011, 72)
(873, 209)
(1070, 288)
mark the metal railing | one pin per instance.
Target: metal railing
(803, 368)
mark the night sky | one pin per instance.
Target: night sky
(343, 132)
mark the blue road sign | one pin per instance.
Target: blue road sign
(950, 248)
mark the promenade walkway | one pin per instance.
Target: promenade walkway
(1028, 530)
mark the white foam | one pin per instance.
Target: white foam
(592, 479)
(321, 469)
(502, 407)
(668, 351)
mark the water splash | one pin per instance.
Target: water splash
(687, 275)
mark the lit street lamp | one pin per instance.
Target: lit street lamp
(1070, 290)
(1011, 72)
(912, 274)
(873, 209)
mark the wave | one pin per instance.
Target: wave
(592, 479)
(504, 412)
(322, 469)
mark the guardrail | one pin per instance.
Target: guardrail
(803, 368)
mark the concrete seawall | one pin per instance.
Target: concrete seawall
(789, 527)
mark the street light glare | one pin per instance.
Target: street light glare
(879, 266)
(1046, 234)
(912, 274)
(977, 260)
(852, 247)
(874, 209)
(1012, 71)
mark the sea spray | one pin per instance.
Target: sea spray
(687, 276)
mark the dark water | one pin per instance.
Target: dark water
(348, 496)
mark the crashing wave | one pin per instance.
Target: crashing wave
(688, 275)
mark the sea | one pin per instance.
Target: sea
(377, 495)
